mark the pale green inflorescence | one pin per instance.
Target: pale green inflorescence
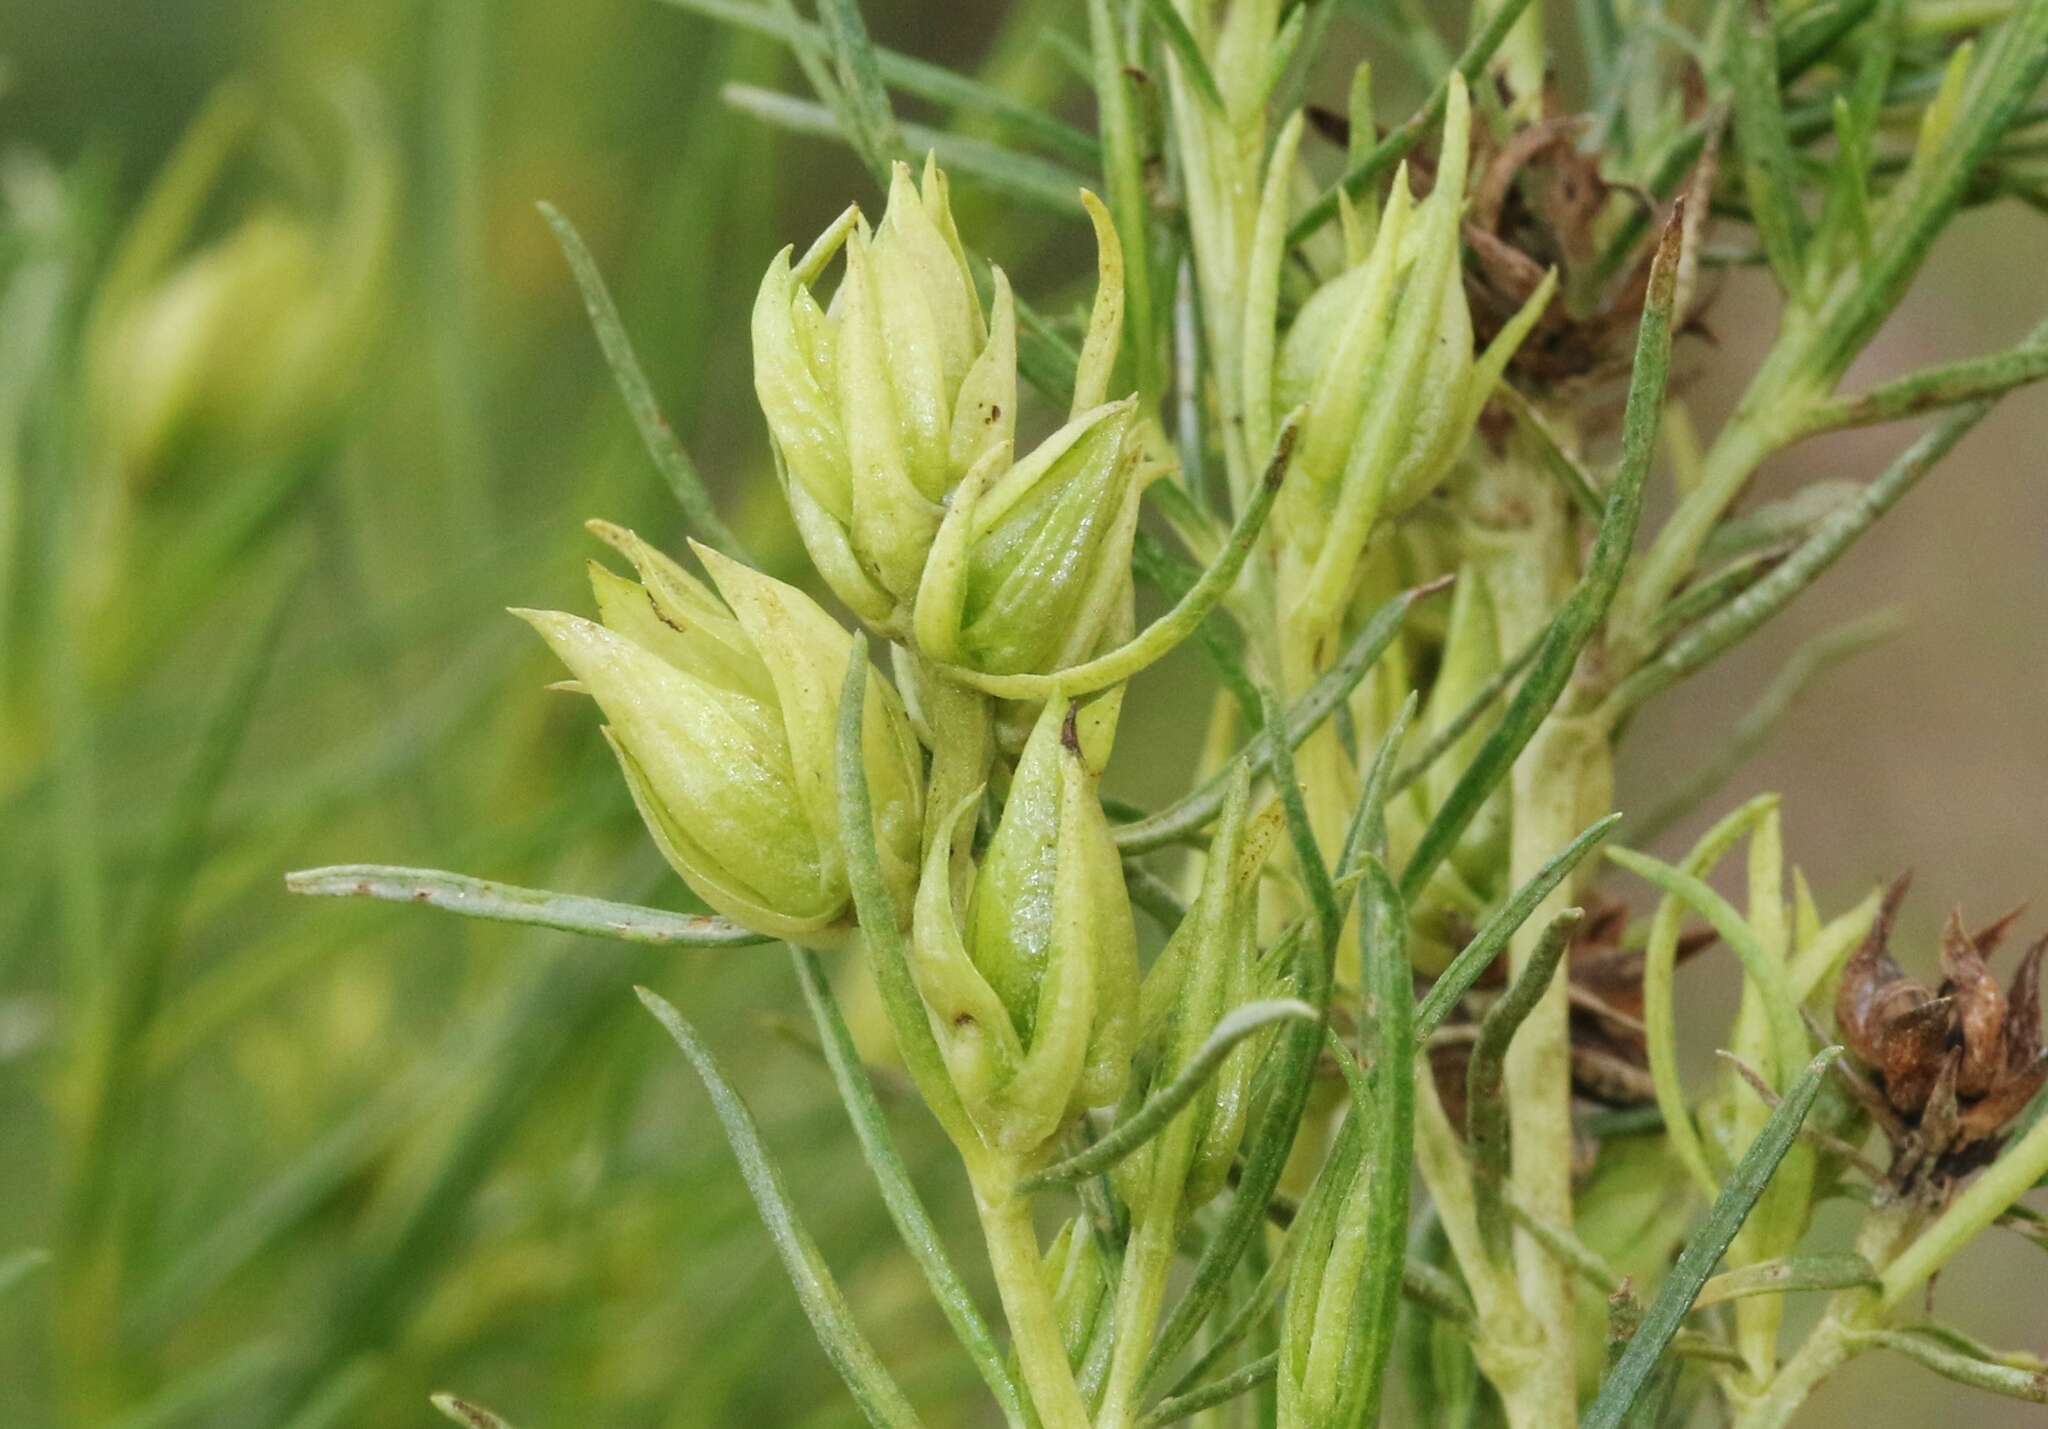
(1032, 565)
(1381, 358)
(881, 403)
(723, 709)
(1030, 974)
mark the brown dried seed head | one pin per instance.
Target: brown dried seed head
(1956, 1064)
(1980, 1008)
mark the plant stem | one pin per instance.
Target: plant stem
(1027, 1301)
(1988, 1197)
(1834, 1340)
(1566, 770)
(1824, 1352)
(1141, 1288)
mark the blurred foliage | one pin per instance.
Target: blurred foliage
(294, 1164)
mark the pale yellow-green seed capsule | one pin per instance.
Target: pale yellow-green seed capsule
(881, 402)
(1032, 564)
(1033, 993)
(723, 712)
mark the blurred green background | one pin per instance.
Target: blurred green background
(301, 1163)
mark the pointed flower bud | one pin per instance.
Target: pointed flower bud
(1382, 356)
(723, 710)
(880, 403)
(1032, 564)
(1033, 993)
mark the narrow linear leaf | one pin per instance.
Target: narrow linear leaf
(1221, 1391)
(1453, 730)
(1946, 386)
(1487, 944)
(1750, 733)
(1486, 1113)
(1836, 1271)
(1367, 833)
(1290, 1075)
(911, 75)
(1151, 561)
(1715, 589)
(1704, 1248)
(508, 903)
(1788, 1032)
(1189, 813)
(1252, 1309)
(880, 1400)
(1390, 981)
(1186, 49)
(1831, 536)
(2012, 1381)
(1123, 171)
(462, 1411)
(1578, 484)
(1152, 1118)
(1052, 187)
(1308, 858)
(1769, 173)
(906, 1208)
(863, 108)
(659, 438)
(1587, 605)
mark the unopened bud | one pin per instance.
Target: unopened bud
(1033, 994)
(723, 712)
(880, 403)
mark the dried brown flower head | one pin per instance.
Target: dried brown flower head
(1953, 1065)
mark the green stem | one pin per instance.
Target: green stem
(1565, 771)
(1834, 1340)
(1141, 1290)
(1825, 1351)
(1027, 1301)
(1724, 472)
(1988, 1197)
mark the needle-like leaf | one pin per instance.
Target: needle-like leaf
(1159, 1108)
(906, 1208)
(880, 1400)
(1587, 605)
(1703, 1250)
(670, 459)
(508, 903)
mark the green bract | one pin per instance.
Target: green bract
(1033, 563)
(1382, 356)
(1033, 993)
(879, 404)
(722, 712)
